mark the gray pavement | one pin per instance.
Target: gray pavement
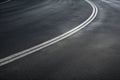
(90, 54)
(26, 23)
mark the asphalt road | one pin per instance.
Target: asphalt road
(2, 1)
(90, 54)
(26, 23)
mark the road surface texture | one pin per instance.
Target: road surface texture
(90, 54)
(26, 23)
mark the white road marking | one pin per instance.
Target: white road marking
(38, 47)
(5, 2)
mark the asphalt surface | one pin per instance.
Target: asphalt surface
(26, 23)
(91, 54)
(2, 0)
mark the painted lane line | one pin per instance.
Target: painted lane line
(5, 2)
(38, 47)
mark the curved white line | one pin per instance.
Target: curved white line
(38, 47)
(5, 2)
